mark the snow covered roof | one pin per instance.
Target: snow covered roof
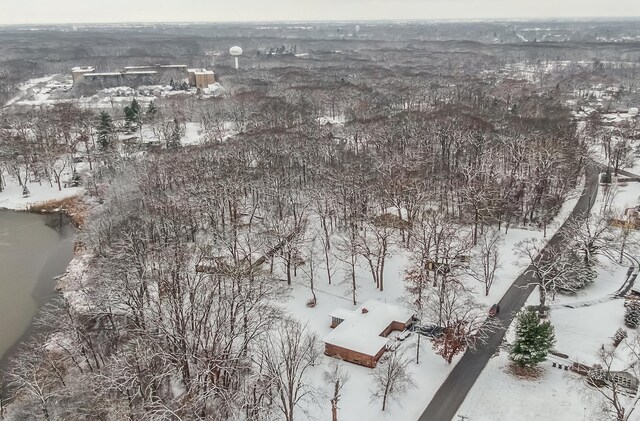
(103, 74)
(341, 313)
(200, 71)
(83, 69)
(360, 331)
(141, 72)
(137, 67)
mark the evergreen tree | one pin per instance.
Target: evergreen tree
(534, 339)
(133, 114)
(632, 314)
(176, 134)
(152, 111)
(620, 335)
(105, 130)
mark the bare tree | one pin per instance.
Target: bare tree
(486, 259)
(310, 269)
(604, 378)
(348, 252)
(463, 319)
(287, 354)
(391, 378)
(550, 266)
(373, 243)
(337, 378)
(587, 235)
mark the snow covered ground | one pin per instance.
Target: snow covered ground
(432, 370)
(427, 375)
(511, 264)
(193, 134)
(27, 86)
(11, 197)
(555, 395)
(42, 91)
(583, 322)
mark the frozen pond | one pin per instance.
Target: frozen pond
(32, 254)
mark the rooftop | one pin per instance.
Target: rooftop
(137, 67)
(141, 72)
(83, 69)
(360, 331)
(103, 74)
(200, 71)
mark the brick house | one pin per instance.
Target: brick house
(360, 336)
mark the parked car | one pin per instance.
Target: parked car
(494, 310)
(430, 330)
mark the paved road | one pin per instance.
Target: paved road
(455, 388)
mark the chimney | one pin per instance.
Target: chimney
(364, 310)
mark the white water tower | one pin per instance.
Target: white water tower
(236, 52)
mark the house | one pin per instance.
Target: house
(360, 336)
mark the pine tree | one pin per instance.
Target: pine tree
(176, 134)
(152, 111)
(133, 113)
(105, 130)
(534, 339)
(619, 336)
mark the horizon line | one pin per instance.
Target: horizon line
(396, 21)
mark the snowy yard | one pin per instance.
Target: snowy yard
(580, 332)
(12, 198)
(498, 395)
(427, 375)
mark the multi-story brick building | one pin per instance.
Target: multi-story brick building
(144, 75)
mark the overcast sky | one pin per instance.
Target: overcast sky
(86, 11)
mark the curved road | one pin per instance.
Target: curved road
(455, 388)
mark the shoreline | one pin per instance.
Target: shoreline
(46, 290)
(72, 207)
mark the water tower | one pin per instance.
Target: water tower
(236, 52)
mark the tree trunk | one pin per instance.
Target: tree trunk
(543, 299)
(334, 401)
